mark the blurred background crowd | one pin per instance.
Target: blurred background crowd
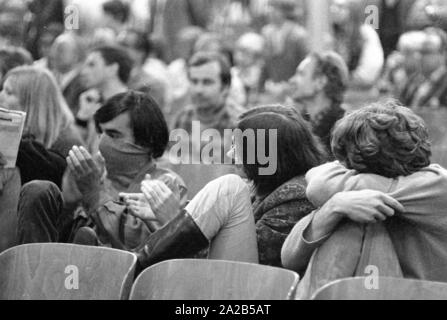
(264, 40)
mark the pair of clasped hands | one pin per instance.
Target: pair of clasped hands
(157, 203)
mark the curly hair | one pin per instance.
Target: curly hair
(383, 138)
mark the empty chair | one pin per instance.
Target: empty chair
(213, 280)
(384, 289)
(65, 272)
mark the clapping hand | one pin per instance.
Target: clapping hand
(138, 206)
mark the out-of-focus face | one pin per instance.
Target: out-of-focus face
(432, 56)
(303, 84)
(64, 55)
(339, 11)
(207, 89)
(8, 97)
(128, 40)
(95, 72)
(244, 57)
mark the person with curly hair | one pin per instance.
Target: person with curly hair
(383, 174)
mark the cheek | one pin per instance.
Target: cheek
(10, 101)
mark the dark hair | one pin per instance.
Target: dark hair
(118, 55)
(298, 150)
(11, 57)
(332, 66)
(147, 121)
(119, 10)
(141, 43)
(383, 138)
(205, 57)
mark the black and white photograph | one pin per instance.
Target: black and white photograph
(234, 157)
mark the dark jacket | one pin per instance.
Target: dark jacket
(275, 217)
(37, 163)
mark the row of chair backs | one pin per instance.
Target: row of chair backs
(65, 272)
(214, 280)
(382, 288)
(72, 272)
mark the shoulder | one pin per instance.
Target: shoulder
(284, 198)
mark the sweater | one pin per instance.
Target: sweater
(418, 234)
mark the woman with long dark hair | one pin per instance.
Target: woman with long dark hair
(240, 221)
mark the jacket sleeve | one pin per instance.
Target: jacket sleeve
(297, 251)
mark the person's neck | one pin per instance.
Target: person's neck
(316, 105)
(112, 88)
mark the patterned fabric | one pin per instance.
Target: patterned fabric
(275, 217)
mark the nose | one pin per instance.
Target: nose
(231, 153)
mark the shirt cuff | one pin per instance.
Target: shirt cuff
(312, 242)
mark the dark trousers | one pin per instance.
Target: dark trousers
(41, 216)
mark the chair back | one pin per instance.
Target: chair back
(213, 280)
(65, 272)
(382, 288)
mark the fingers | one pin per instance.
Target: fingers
(379, 217)
(393, 203)
(81, 160)
(90, 163)
(386, 210)
(131, 196)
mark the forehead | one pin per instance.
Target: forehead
(121, 123)
(210, 70)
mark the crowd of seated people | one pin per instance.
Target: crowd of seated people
(101, 106)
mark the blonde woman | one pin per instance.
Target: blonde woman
(49, 132)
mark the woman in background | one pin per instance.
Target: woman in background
(49, 132)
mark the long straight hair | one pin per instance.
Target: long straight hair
(40, 97)
(298, 150)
